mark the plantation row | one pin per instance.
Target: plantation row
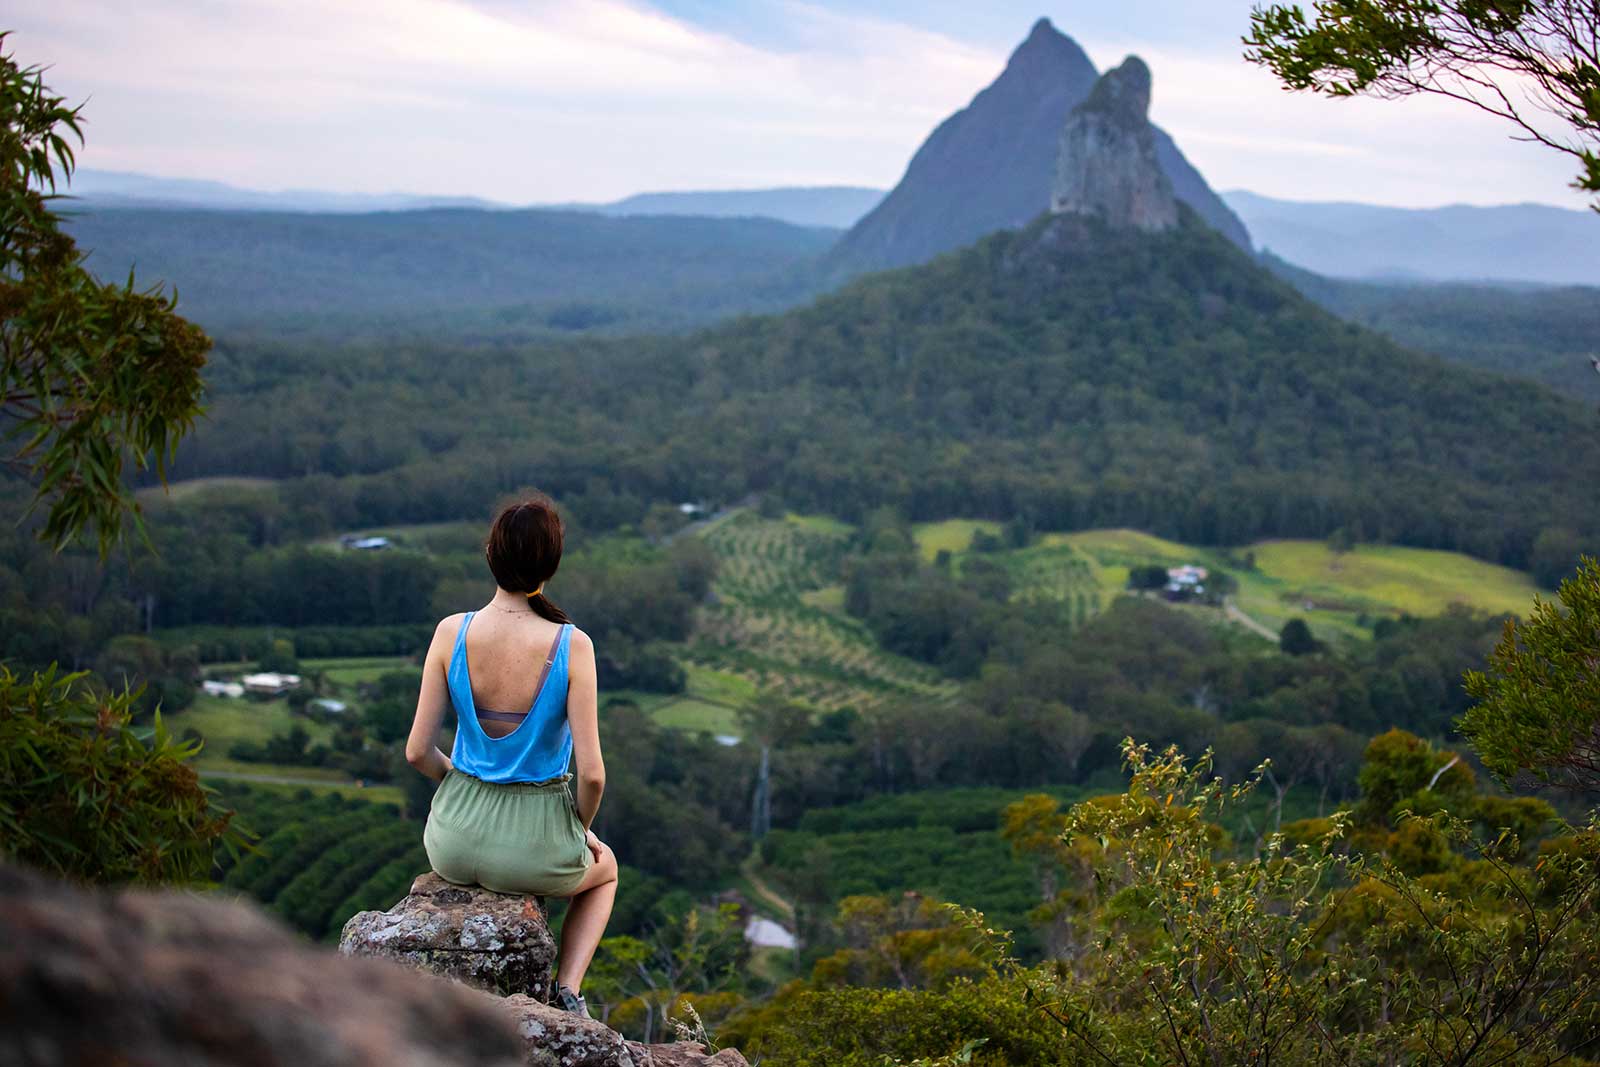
(320, 859)
(764, 627)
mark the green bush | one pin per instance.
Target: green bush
(872, 1027)
(87, 795)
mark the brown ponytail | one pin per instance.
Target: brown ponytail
(524, 550)
(543, 605)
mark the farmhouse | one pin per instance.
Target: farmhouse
(270, 683)
(218, 688)
(1185, 581)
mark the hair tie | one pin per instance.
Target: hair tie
(536, 592)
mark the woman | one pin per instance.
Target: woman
(504, 816)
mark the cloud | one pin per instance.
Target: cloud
(1239, 126)
(555, 100)
(523, 102)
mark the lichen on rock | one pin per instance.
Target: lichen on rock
(502, 945)
(492, 941)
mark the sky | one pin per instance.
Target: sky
(552, 101)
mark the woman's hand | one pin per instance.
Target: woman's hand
(594, 844)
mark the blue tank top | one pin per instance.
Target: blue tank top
(539, 749)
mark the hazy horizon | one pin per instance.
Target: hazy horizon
(526, 103)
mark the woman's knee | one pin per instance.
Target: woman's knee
(607, 862)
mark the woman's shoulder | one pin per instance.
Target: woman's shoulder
(449, 627)
(579, 641)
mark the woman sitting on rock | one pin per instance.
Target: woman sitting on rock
(504, 817)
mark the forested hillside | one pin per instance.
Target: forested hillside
(1546, 333)
(461, 273)
(1081, 376)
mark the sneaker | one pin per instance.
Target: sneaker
(567, 1000)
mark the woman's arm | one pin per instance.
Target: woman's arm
(583, 716)
(422, 747)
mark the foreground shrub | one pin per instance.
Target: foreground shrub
(87, 795)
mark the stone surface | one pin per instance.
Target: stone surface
(563, 1039)
(501, 945)
(1108, 165)
(688, 1054)
(556, 1038)
(169, 979)
(495, 942)
(992, 165)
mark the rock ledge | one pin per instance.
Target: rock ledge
(490, 941)
(501, 945)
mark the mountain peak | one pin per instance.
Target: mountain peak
(1122, 92)
(1108, 165)
(1047, 51)
(992, 165)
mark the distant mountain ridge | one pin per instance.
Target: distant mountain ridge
(991, 165)
(453, 272)
(833, 206)
(1499, 243)
(122, 189)
(1506, 242)
(837, 206)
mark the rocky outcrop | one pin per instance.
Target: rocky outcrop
(992, 165)
(561, 1039)
(491, 941)
(146, 979)
(501, 945)
(172, 979)
(1108, 166)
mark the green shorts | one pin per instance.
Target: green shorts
(521, 837)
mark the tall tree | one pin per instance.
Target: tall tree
(1539, 699)
(1534, 63)
(91, 375)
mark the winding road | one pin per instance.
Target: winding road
(1234, 614)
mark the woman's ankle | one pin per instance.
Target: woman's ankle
(568, 999)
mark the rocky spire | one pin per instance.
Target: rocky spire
(1108, 164)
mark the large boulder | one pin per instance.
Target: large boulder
(557, 1038)
(492, 941)
(501, 944)
(169, 979)
(1108, 164)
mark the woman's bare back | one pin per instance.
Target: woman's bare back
(507, 657)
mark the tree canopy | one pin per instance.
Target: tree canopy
(91, 375)
(1534, 63)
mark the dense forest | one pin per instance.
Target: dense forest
(452, 272)
(1542, 332)
(1085, 378)
(331, 281)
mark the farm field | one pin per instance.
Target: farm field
(262, 776)
(439, 538)
(223, 722)
(347, 673)
(778, 626)
(710, 702)
(1336, 593)
(776, 623)
(189, 487)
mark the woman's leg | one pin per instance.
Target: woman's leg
(586, 919)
